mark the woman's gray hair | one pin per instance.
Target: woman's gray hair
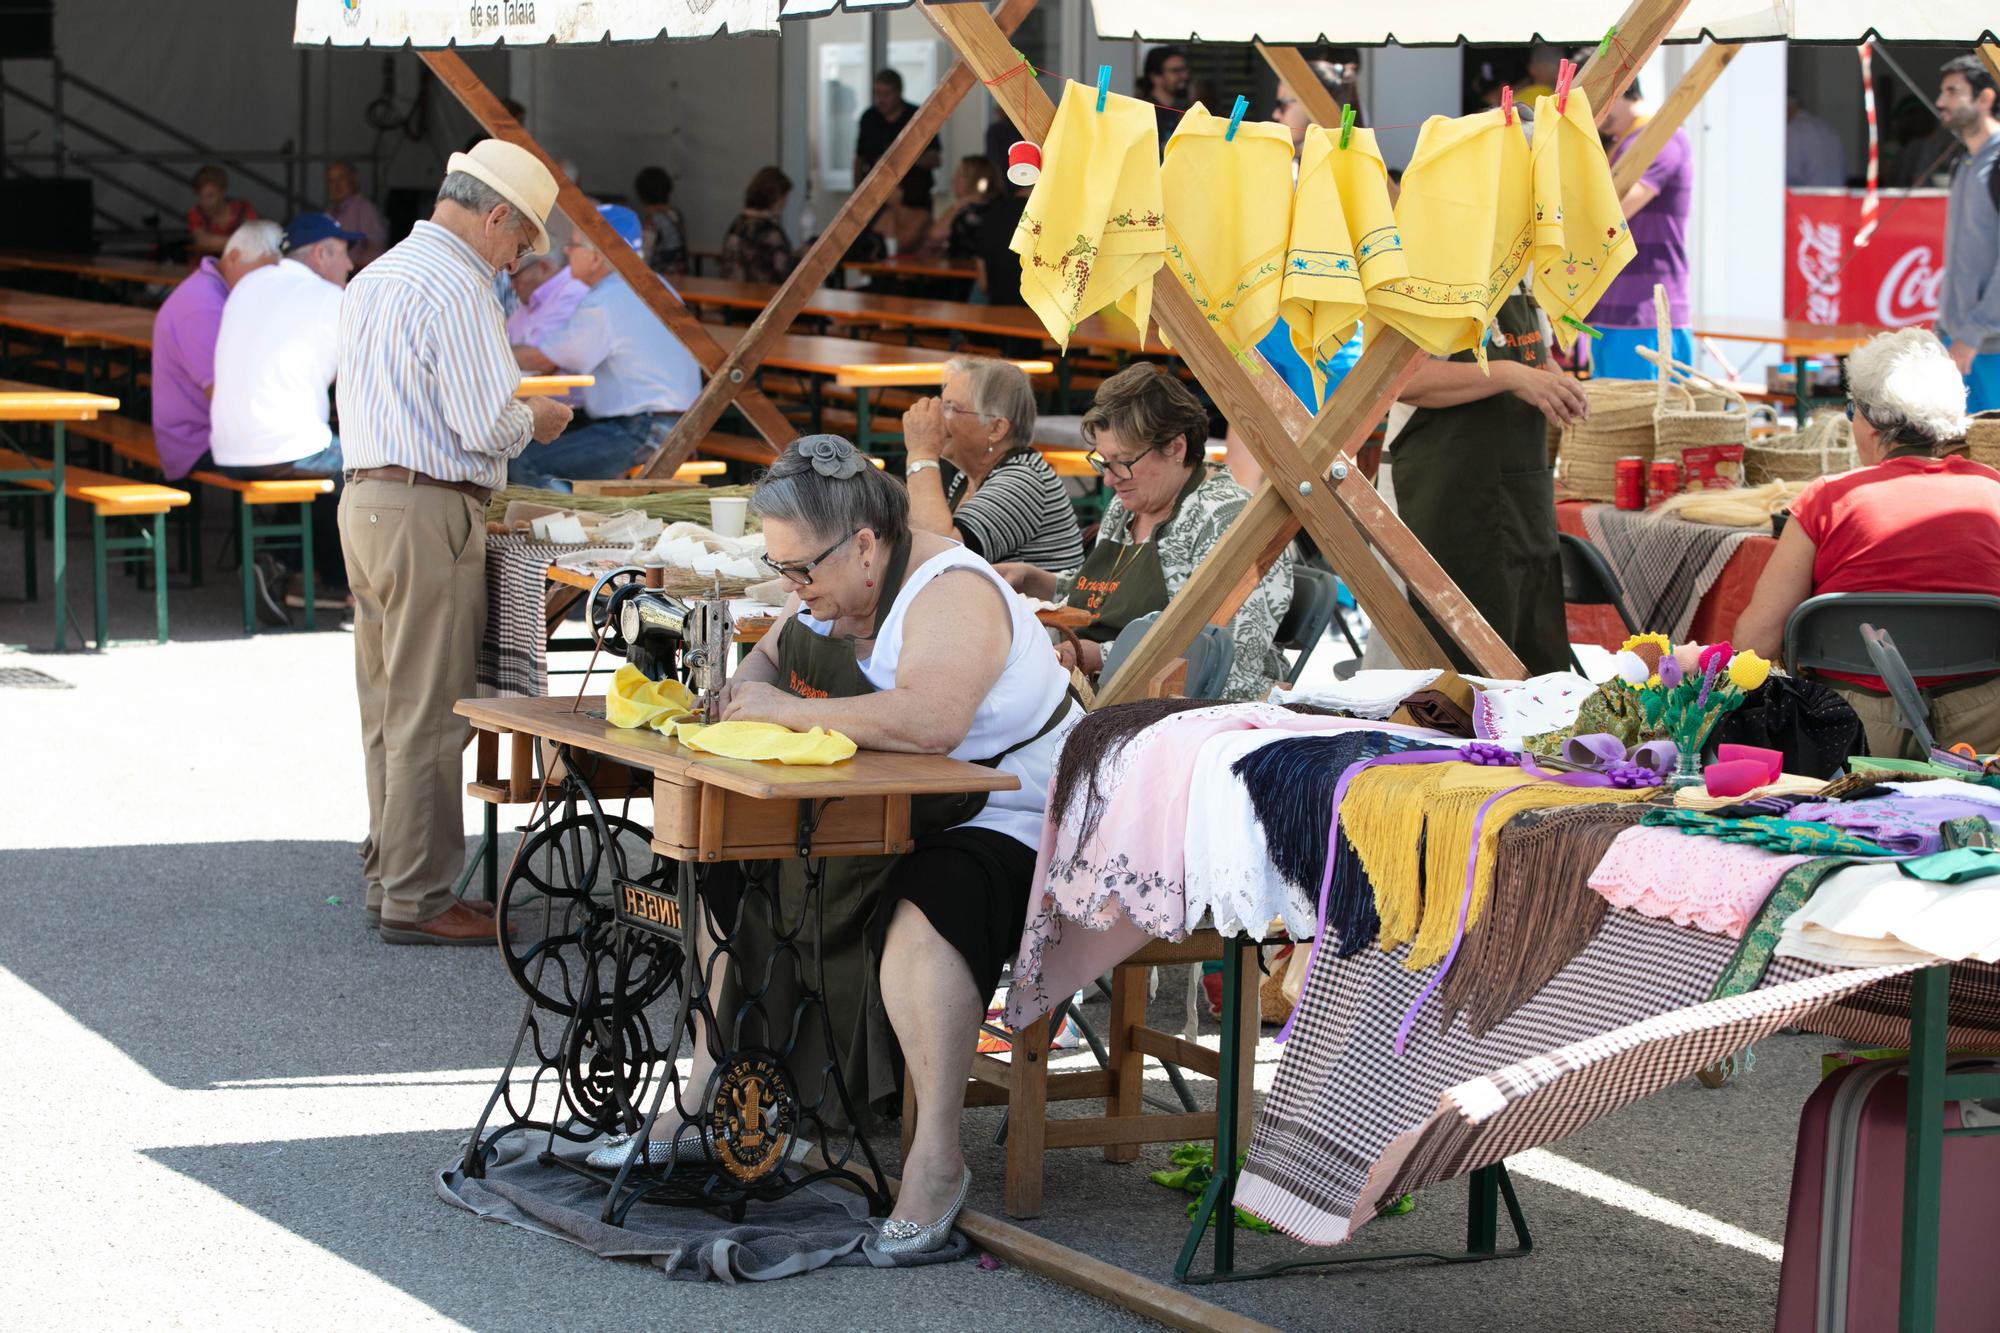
(1905, 384)
(258, 240)
(999, 389)
(816, 483)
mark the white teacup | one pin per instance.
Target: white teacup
(726, 515)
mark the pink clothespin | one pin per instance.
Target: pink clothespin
(1565, 72)
(1506, 105)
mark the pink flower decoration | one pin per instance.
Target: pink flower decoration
(1716, 655)
(1689, 657)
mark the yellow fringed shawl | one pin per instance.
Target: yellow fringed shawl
(1412, 827)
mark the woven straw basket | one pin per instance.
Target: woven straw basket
(1620, 426)
(1825, 446)
(1982, 441)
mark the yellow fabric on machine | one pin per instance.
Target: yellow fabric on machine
(1581, 237)
(1466, 226)
(1343, 241)
(1228, 214)
(634, 701)
(1093, 232)
(764, 741)
(1412, 827)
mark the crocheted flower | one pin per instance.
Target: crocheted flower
(1747, 671)
(1670, 672)
(1716, 655)
(1650, 648)
(832, 456)
(1633, 669)
(1688, 656)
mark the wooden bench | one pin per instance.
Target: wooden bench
(110, 497)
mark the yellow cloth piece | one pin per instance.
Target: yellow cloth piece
(1412, 827)
(1466, 225)
(765, 741)
(1581, 237)
(634, 701)
(1093, 232)
(1228, 213)
(1343, 241)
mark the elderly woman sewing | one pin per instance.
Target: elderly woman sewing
(974, 476)
(1912, 518)
(1147, 434)
(904, 641)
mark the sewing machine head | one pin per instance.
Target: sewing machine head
(686, 638)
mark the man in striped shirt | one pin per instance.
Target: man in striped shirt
(428, 423)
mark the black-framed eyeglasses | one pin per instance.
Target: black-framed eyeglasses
(1119, 468)
(801, 572)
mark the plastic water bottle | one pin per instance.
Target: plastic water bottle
(808, 220)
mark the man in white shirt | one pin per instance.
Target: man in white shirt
(275, 358)
(645, 378)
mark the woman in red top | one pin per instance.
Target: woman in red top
(1912, 518)
(215, 216)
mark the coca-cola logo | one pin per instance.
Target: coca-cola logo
(1909, 290)
(1818, 262)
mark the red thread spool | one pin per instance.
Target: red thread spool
(1024, 163)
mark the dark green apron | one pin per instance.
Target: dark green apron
(1473, 482)
(1121, 581)
(853, 913)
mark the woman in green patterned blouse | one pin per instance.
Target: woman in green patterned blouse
(1169, 507)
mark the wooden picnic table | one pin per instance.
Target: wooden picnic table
(1799, 339)
(78, 323)
(916, 266)
(100, 268)
(27, 402)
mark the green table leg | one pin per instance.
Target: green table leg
(100, 566)
(160, 577)
(1923, 1161)
(246, 548)
(59, 533)
(864, 422)
(306, 559)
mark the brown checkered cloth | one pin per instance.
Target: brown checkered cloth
(1349, 1125)
(513, 655)
(1665, 566)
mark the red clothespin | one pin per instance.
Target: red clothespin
(1565, 72)
(1506, 105)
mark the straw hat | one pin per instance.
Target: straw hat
(518, 175)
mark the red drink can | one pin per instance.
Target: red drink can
(1630, 483)
(1663, 480)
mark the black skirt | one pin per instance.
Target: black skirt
(972, 885)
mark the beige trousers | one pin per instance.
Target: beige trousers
(1971, 715)
(416, 561)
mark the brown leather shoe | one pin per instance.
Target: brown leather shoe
(476, 904)
(456, 924)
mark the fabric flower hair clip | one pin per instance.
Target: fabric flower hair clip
(832, 456)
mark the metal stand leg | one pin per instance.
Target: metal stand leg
(245, 545)
(1923, 1160)
(100, 568)
(306, 558)
(59, 532)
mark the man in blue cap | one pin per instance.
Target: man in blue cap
(645, 378)
(275, 358)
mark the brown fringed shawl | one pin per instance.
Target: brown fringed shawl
(1541, 913)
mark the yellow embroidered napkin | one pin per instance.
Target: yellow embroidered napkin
(1343, 241)
(1092, 233)
(765, 741)
(1465, 223)
(634, 701)
(1228, 210)
(1581, 237)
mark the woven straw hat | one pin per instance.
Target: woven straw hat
(518, 175)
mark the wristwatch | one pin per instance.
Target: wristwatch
(916, 465)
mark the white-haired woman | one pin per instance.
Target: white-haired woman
(1913, 518)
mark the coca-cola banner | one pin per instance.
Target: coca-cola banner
(1890, 282)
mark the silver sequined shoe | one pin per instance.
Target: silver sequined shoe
(902, 1237)
(684, 1146)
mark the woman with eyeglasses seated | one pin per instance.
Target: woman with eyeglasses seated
(1169, 507)
(1914, 517)
(904, 641)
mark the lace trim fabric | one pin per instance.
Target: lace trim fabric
(1705, 883)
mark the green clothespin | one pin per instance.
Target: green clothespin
(1346, 123)
(1605, 45)
(1022, 56)
(1580, 326)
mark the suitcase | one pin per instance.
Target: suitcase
(1844, 1232)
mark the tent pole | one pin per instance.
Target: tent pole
(727, 377)
(1990, 53)
(456, 75)
(1289, 64)
(1680, 104)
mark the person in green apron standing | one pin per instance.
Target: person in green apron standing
(1473, 482)
(903, 641)
(1147, 434)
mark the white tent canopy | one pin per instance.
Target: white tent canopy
(1444, 22)
(435, 23)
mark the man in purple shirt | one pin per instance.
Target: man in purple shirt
(355, 211)
(184, 334)
(1657, 206)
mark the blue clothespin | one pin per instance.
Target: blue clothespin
(1346, 123)
(1103, 86)
(1236, 118)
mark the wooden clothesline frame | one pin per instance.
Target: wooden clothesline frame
(1311, 480)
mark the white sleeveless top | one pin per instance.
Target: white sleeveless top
(1021, 700)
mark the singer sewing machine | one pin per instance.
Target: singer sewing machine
(599, 913)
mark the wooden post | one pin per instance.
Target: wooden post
(1346, 420)
(733, 372)
(477, 98)
(1990, 53)
(1694, 86)
(1290, 65)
